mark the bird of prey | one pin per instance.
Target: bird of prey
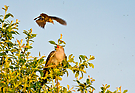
(55, 58)
(43, 18)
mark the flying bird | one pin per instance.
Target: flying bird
(54, 58)
(43, 18)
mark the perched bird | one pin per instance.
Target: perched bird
(43, 18)
(55, 58)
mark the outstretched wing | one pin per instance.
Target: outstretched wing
(41, 23)
(61, 21)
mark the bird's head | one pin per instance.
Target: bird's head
(47, 18)
(58, 47)
(44, 15)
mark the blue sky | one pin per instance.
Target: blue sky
(102, 28)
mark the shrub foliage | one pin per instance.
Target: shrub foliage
(18, 69)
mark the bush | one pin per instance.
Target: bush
(18, 69)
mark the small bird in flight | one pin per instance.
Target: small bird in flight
(43, 18)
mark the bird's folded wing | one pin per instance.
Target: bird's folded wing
(41, 23)
(49, 58)
(61, 21)
(48, 62)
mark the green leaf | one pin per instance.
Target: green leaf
(77, 74)
(31, 40)
(11, 67)
(77, 81)
(52, 42)
(59, 78)
(29, 47)
(70, 56)
(103, 88)
(1, 15)
(83, 57)
(71, 60)
(25, 32)
(39, 54)
(82, 74)
(1, 54)
(108, 86)
(63, 45)
(80, 59)
(5, 25)
(8, 15)
(125, 91)
(91, 65)
(88, 81)
(67, 73)
(33, 35)
(64, 90)
(41, 72)
(1, 21)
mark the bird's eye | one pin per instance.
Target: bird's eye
(40, 17)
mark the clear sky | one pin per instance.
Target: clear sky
(102, 28)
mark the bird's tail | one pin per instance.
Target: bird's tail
(45, 71)
(61, 21)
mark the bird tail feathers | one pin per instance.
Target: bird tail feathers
(61, 21)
